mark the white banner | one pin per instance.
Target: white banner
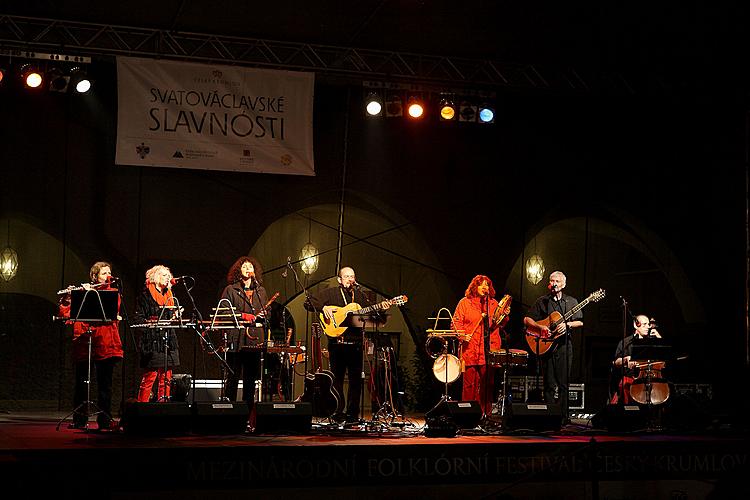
(187, 115)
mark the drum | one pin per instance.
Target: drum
(508, 358)
(447, 368)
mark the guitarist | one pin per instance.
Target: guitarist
(558, 360)
(346, 350)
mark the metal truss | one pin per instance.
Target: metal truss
(50, 35)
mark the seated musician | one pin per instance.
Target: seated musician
(644, 327)
(156, 302)
(248, 297)
(474, 315)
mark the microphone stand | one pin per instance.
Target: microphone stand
(625, 314)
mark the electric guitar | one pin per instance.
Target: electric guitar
(320, 390)
(333, 327)
(541, 342)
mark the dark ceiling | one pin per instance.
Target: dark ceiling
(676, 37)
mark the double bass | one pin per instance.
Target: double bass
(649, 387)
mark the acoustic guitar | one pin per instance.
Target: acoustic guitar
(540, 342)
(320, 390)
(333, 327)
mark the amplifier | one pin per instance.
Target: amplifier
(576, 397)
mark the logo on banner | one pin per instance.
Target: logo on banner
(142, 150)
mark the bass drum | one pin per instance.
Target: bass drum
(447, 368)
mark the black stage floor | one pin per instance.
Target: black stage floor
(391, 460)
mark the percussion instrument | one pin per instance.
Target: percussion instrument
(447, 368)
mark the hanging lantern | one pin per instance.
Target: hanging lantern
(8, 263)
(308, 258)
(534, 269)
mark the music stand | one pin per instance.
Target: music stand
(649, 350)
(91, 306)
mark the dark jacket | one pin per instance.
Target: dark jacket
(246, 336)
(151, 342)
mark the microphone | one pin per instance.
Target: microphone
(253, 283)
(286, 269)
(112, 279)
(356, 285)
(552, 287)
(179, 279)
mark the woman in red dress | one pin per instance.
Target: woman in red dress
(476, 315)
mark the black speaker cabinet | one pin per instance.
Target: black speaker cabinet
(464, 414)
(219, 417)
(534, 416)
(156, 418)
(283, 418)
(620, 418)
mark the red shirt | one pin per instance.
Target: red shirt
(105, 339)
(468, 317)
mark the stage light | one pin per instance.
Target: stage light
(393, 105)
(467, 112)
(31, 76)
(58, 82)
(415, 107)
(447, 109)
(308, 258)
(2, 74)
(535, 269)
(373, 104)
(80, 80)
(486, 114)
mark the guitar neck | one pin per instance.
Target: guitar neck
(375, 307)
(577, 308)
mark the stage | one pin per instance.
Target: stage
(393, 460)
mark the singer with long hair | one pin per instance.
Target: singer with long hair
(558, 361)
(106, 351)
(474, 316)
(158, 348)
(245, 292)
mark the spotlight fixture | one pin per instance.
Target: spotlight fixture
(80, 80)
(394, 105)
(486, 113)
(58, 82)
(447, 109)
(2, 74)
(373, 104)
(415, 107)
(31, 76)
(467, 112)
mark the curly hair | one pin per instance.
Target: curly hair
(235, 272)
(478, 279)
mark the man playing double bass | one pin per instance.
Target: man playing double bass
(644, 327)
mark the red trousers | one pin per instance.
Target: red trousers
(147, 384)
(478, 386)
(624, 389)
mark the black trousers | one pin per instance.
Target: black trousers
(104, 373)
(245, 364)
(557, 367)
(346, 360)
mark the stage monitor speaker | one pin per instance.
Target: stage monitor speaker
(464, 414)
(220, 417)
(534, 416)
(283, 418)
(620, 418)
(156, 418)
